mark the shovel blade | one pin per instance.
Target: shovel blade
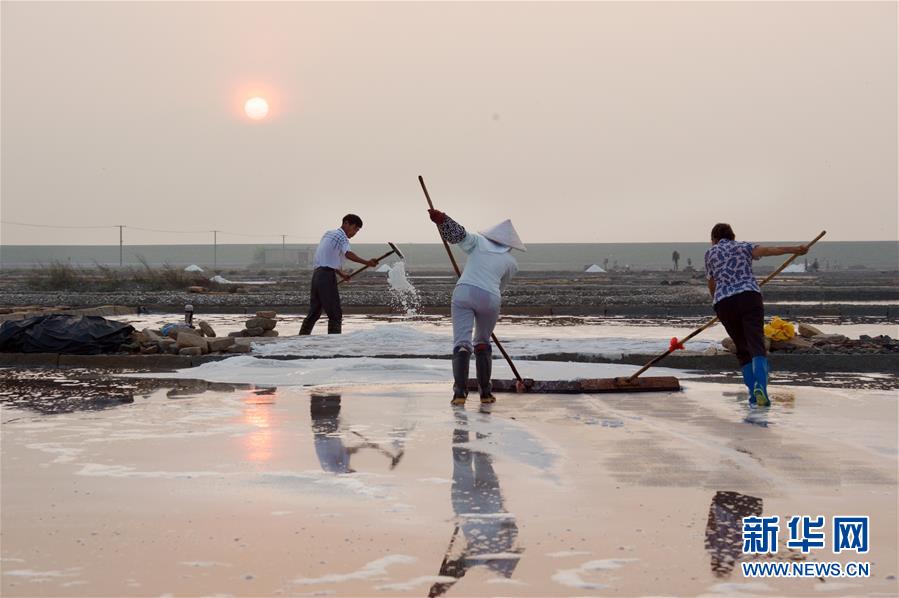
(396, 250)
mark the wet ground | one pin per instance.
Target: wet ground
(139, 486)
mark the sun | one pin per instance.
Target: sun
(256, 108)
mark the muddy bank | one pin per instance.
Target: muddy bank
(531, 293)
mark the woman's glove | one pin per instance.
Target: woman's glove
(437, 217)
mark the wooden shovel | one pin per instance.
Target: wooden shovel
(393, 249)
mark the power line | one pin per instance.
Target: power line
(161, 230)
(224, 232)
(55, 225)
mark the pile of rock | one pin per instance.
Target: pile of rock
(184, 340)
(263, 324)
(812, 340)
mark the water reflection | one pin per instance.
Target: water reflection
(332, 452)
(187, 388)
(488, 531)
(724, 530)
(757, 416)
(70, 390)
(257, 414)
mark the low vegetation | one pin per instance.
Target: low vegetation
(58, 276)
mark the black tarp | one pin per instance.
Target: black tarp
(59, 333)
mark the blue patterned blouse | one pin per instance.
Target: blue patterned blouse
(730, 264)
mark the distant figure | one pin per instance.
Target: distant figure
(489, 532)
(327, 264)
(738, 302)
(724, 529)
(477, 297)
(675, 257)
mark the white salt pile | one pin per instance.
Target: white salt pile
(405, 295)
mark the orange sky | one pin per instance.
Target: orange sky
(590, 122)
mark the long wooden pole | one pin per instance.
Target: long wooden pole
(708, 324)
(459, 273)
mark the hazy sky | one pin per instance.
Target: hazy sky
(584, 122)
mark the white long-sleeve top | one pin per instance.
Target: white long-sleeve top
(486, 269)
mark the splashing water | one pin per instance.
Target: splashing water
(405, 295)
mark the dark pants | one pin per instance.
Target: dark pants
(743, 316)
(324, 296)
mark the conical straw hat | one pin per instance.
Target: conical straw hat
(505, 234)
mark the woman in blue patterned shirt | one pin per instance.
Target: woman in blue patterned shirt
(738, 302)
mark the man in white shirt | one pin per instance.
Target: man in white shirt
(328, 261)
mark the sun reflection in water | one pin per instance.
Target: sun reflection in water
(259, 442)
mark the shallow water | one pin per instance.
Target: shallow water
(203, 488)
(353, 476)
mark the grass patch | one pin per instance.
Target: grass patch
(60, 276)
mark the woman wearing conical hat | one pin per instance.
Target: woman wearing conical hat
(477, 297)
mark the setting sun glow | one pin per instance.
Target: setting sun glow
(256, 108)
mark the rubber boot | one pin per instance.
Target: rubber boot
(760, 371)
(749, 381)
(334, 326)
(461, 360)
(483, 360)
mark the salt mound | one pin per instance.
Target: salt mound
(246, 369)
(594, 268)
(793, 268)
(193, 268)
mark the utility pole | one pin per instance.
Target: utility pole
(284, 248)
(215, 249)
(121, 251)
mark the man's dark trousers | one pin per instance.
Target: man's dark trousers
(324, 295)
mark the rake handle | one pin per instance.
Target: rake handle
(792, 257)
(445, 244)
(449, 252)
(659, 358)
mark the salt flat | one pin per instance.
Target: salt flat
(271, 488)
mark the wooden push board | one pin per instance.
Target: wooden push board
(587, 385)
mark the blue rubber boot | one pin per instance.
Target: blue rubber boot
(749, 381)
(760, 371)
